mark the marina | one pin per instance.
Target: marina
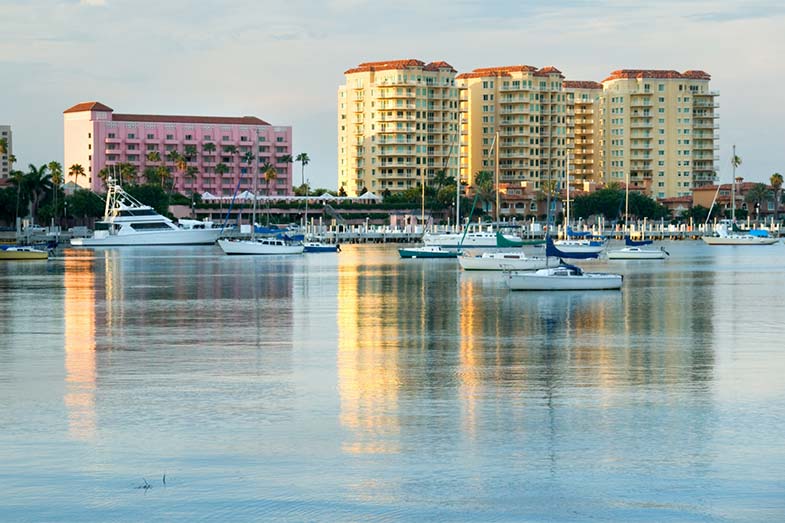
(247, 381)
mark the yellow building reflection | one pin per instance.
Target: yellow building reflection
(368, 373)
(79, 313)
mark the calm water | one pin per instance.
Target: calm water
(361, 387)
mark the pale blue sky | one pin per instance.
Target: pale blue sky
(283, 60)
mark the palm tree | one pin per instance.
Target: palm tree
(38, 183)
(127, 172)
(776, 184)
(3, 145)
(757, 194)
(270, 174)
(76, 170)
(191, 173)
(56, 174)
(735, 162)
(209, 147)
(153, 157)
(304, 160)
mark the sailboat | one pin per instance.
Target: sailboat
(474, 235)
(575, 242)
(726, 232)
(563, 277)
(633, 249)
(260, 246)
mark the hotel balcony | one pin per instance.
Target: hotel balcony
(705, 125)
(638, 123)
(112, 140)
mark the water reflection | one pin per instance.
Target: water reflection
(79, 345)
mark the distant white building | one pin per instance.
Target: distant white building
(5, 165)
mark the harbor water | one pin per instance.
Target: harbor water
(180, 384)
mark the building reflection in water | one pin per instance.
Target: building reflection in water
(411, 334)
(80, 356)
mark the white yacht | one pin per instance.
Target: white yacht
(128, 222)
(505, 261)
(257, 246)
(470, 239)
(636, 253)
(724, 235)
(563, 278)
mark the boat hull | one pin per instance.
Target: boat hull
(472, 239)
(256, 248)
(624, 254)
(320, 248)
(739, 240)
(578, 247)
(173, 237)
(23, 254)
(427, 252)
(585, 282)
(505, 263)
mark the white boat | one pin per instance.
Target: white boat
(724, 235)
(504, 261)
(636, 253)
(468, 240)
(22, 252)
(580, 246)
(128, 222)
(563, 278)
(428, 251)
(267, 246)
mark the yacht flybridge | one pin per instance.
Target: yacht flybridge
(128, 222)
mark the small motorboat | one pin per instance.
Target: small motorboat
(428, 251)
(505, 261)
(259, 246)
(22, 252)
(321, 247)
(636, 253)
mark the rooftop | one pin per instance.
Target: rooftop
(640, 74)
(98, 106)
(409, 63)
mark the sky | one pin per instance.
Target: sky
(283, 60)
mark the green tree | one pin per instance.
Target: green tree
(3, 145)
(151, 195)
(757, 195)
(37, 183)
(56, 177)
(76, 170)
(776, 185)
(304, 160)
(440, 179)
(153, 157)
(151, 176)
(84, 204)
(209, 147)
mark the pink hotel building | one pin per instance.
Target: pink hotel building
(95, 137)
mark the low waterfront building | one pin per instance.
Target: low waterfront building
(215, 149)
(5, 155)
(397, 125)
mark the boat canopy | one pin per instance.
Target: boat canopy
(551, 250)
(629, 242)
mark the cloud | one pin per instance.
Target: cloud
(93, 3)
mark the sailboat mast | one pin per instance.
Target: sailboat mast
(733, 186)
(255, 188)
(496, 171)
(567, 221)
(627, 203)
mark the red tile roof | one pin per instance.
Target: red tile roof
(88, 106)
(237, 120)
(435, 66)
(545, 71)
(581, 84)
(656, 73)
(483, 72)
(386, 65)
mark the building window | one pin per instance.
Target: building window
(170, 137)
(131, 136)
(110, 135)
(150, 136)
(189, 137)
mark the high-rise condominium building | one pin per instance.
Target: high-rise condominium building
(5, 163)
(215, 148)
(583, 123)
(527, 107)
(397, 125)
(660, 129)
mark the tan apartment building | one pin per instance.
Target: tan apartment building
(5, 163)
(527, 107)
(659, 127)
(397, 125)
(583, 124)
